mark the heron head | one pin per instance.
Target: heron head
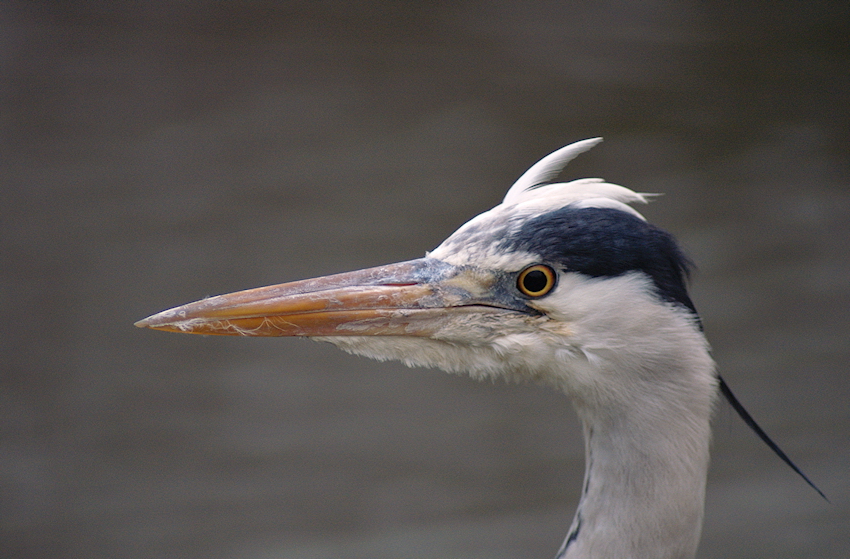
(554, 276)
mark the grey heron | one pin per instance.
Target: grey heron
(563, 283)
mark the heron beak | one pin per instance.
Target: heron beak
(397, 299)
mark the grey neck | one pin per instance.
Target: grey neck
(644, 485)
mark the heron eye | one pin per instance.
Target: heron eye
(536, 281)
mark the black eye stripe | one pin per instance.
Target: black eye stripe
(605, 242)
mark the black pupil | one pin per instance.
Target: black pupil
(535, 281)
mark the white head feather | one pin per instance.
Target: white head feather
(547, 169)
(534, 184)
(532, 195)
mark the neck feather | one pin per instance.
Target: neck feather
(646, 468)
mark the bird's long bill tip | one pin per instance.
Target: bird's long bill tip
(388, 300)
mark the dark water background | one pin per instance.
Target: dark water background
(154, 153)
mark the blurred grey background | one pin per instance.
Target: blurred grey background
(154, 153)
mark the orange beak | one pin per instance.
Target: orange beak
(407, 299)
